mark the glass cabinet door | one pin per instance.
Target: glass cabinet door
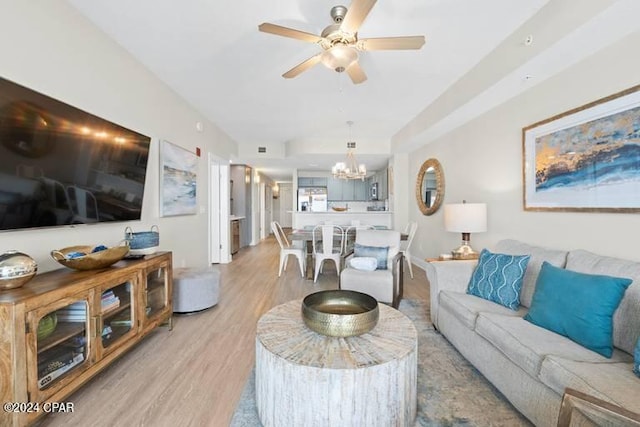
(117, 320)
(156, 288)
(61, 348)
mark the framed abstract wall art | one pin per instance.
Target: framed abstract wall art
(178, 180)
(586, 159)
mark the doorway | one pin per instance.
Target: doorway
(286, 204)
(219, 201)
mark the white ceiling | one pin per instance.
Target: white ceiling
(212, 54)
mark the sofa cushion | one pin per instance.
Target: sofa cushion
(526, 344)
(498, 278)
(538, 255)
(578, 305)
(626, 320)
(607, 381)
(467, 307)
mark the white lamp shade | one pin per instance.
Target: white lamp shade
(465, 217)
(339, 57)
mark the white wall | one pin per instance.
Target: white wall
(401, 183)
(49, 47)
(482, 162)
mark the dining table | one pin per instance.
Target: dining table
(305, 235)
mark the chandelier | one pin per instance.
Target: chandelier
(349, 169)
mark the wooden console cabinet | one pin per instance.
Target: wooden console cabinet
(64, 326)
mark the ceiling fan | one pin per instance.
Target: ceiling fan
(340, 42)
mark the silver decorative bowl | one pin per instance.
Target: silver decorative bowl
(340, 313)
(16, 269)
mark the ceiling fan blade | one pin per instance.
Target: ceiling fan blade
(288, 32)
(355, 72)
(391, 43)
(301, 67)
(356, 15)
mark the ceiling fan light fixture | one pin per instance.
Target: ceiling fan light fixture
(339, 57)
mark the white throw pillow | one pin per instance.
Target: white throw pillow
(364, 263)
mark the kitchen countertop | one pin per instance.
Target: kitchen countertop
(341, 213)
(301, 219)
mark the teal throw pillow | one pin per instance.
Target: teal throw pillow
(636, 359)
(498, 278)
(379, 253)
(579, 306)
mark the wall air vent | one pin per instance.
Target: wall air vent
(262, 149)
(351, 144)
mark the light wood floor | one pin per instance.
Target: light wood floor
(194, 374)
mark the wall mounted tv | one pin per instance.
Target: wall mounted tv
(60, 165)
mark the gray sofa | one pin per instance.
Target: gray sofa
(530, 365)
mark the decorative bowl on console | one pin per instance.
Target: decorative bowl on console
(16, 269)
(89, 257)
(339, 209)
(340, 313)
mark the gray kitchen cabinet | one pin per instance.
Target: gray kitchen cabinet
(305, 182)
(334, 189)
(312, 182)
(348, 190)
(361, 190)
(383, 185)
(382, 180)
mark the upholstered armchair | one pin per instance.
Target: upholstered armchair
(385, 282)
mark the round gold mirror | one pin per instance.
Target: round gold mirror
(430, 187)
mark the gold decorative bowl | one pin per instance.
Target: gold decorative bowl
(91, 260)
(337, 209)
(340, 313)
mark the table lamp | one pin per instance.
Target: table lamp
(465, 218)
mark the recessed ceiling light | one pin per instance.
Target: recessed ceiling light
(313, 165)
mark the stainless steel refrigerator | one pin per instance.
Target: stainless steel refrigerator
(312, 199)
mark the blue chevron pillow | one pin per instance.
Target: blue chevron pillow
(498, 278)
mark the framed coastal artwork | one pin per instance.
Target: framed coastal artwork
(586, 159)
(178, 179)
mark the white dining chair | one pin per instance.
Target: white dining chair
(328, 243)
(405, 245)
(287, 249)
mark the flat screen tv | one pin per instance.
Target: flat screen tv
(60, 165)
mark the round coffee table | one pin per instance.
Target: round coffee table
(305, 379)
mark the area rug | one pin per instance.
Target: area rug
(451, 392)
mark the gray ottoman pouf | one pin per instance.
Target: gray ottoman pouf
(195, 289)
